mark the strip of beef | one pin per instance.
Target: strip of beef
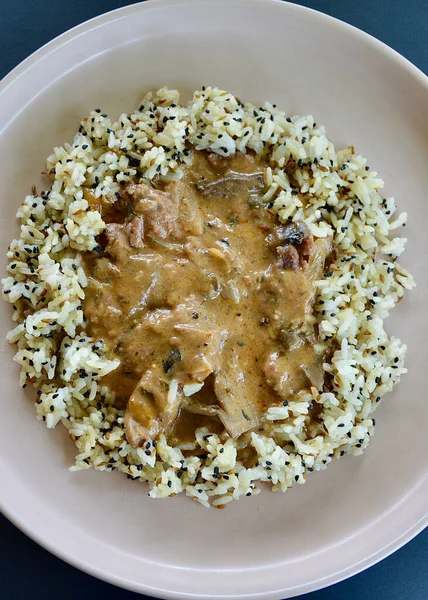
(293, 244)
(135, 232)
(159, 210)
(287, 258)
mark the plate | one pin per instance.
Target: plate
(272, 545)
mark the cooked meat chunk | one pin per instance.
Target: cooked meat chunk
(279, 377)
(290, 372)
(117, 241)
(285, 296)
(288, 258)
(122, 237)
(293, 244)
(306, 247)
(135, 231)
(305, 250)
(160, 212)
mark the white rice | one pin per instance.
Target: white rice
(336, 194)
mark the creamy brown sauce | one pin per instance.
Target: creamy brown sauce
(196, 283)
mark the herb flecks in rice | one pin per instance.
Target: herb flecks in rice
(334, 192)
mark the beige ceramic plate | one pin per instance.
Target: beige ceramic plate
(360, 509)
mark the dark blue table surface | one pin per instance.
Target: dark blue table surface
(28, 571)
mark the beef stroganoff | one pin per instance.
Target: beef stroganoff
(200, 296)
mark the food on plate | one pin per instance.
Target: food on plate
(200, 296)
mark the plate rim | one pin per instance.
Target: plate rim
(321, 582)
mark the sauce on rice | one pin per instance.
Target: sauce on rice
(205, 299)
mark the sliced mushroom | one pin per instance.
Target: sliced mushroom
(230, 184)
(293, 233)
